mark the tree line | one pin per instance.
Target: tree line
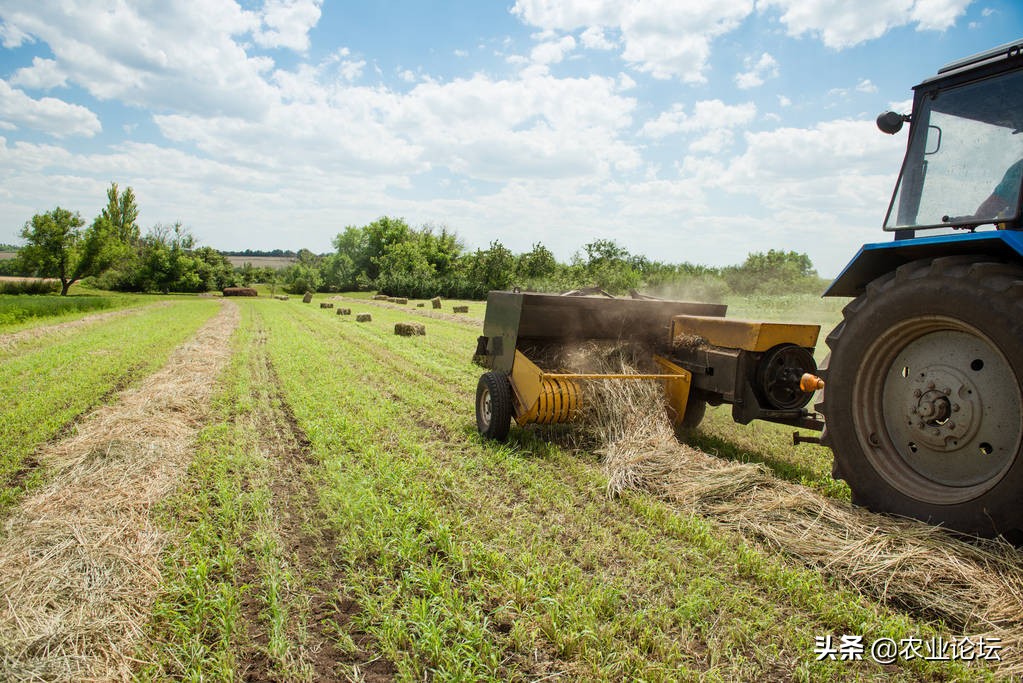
(387, 255)
(394, 258)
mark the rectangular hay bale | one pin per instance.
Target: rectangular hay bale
(308, 298)
(363, 318)
(460, 309)
(326, 304)
(436, 302)
(409, 329)
(344, 311)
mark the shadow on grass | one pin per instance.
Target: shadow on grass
(784, 469)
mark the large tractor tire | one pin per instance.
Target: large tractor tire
(494, 406)
(923, 398)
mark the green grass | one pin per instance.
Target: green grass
(341, 519)
(15, 309)
(46, 383)
(29, 286)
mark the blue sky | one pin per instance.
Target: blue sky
(686, 130)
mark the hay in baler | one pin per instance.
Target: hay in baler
(240, 291)
(409, 329)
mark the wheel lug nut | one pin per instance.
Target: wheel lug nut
(947, 391)
(955, 407)
(930, 385)
(919, 425)
(916, 394)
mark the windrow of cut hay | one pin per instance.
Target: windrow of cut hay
(973, 586)
(80, 559)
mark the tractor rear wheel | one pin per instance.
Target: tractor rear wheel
(923, 401)
(494, 405)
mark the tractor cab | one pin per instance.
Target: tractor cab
(964, 159)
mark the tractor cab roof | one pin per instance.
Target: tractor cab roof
(992, 107)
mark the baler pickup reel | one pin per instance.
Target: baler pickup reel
(764, 370)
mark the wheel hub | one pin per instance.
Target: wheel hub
(950, 410)
(486, 407)
(942, 403)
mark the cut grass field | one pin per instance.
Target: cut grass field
(49, 380)
(341, 520)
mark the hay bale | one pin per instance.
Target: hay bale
(391, 300)
(240, 291)
(380, 297)
(409, 329)
(436, 302)
(326, 304)
(420, 305)
(344, 311)
(460, 309)
(364, 318)
(401, 300)
(308, 298)
(281, 297)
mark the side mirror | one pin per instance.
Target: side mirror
(891, 122)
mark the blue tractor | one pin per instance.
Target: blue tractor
(922, 402)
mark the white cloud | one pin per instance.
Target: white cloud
(593, 38)
(664, 38)
(553, 51)
(11, 36)
(461, 53)
(44, 74)
(49, 115)
(757, 72)
(287, 23)
(841, 24)
(866, 86)
(182, 56)
(784, 101)
(707, 115)
(714, 142)
(351, 70)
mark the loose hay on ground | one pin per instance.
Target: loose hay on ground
(975, 587)
(79, 560)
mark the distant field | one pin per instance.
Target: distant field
(5, 255)
(262, 261)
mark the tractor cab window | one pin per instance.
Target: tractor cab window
(963, 166)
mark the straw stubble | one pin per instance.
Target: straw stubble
(974, 586)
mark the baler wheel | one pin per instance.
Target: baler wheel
(494, 405)
(924, 403)
(696, 408)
